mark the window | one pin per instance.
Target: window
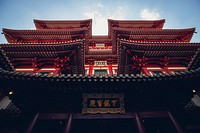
(100, 72)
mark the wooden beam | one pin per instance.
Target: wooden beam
(128, 115)
(68, 125)
(175, 123)
(139, 123)
(32, 123)
(151, 114)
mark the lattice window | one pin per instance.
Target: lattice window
(100, 72)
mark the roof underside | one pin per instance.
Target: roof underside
(23, 51)
(43, 35)
(99, 78)
(135, 30)
(26, 54)
(137, 23)
(155, 53)
(62, 24)
(134, 24)
(4, 61)
(155, 34)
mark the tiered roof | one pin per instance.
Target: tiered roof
(23, 54)
(143, 30)
(135, 24)
(175, 53)
(44, 35)
(156, 34)
(52, 44)
(62, 24)
(50, 31)
(146, 39)
(134, 44)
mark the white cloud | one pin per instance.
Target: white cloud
(118, 14)
(149, 14)
(100, 18)
(100, 5)
(99, 22)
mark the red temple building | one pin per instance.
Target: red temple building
(59, 78)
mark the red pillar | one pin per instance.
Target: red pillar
(68, 126)
(166, 70)
(31, 125)
(110, 69)
(57, 71)
(175, 123)
(90, 69)
(145, 71)
(139, 123)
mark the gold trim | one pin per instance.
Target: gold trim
(86, 110)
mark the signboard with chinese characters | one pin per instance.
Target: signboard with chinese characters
(100, 45)
(100, 63)
(103, 103)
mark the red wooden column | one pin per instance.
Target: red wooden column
(90, 69)
(175, 123)
(145, 71)
(68, 125)
(110, 69)
(31, 125)
(139, 123)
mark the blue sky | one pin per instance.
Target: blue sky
(19, 14)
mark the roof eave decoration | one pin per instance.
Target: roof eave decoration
(135, 24)
(4, 61)
(47, 50)
(192, 74)
(61, 24)
(9, 37)
(195, 62)
(183, 35)
(15, 36)
(183, 50)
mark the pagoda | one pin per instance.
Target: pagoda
(60, 78)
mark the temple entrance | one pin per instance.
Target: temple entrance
(149, 122)
(104, 126)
